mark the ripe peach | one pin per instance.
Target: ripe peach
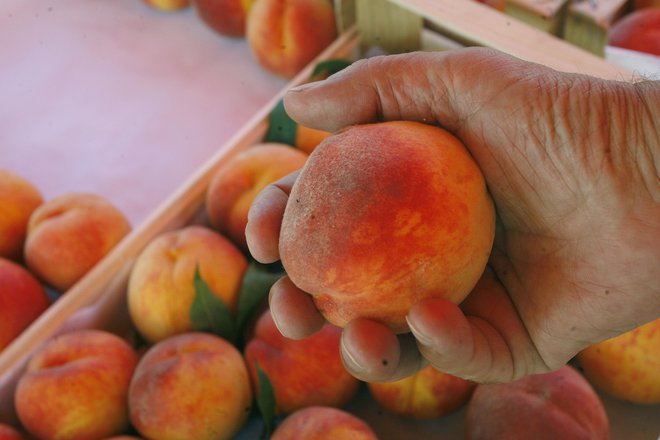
(190, 386)
(428, 394)
(69, 234)
(640, 4)
(8, 432)
(235, 185)
(554, 405)
(639, 31)
(303, 372)
(323, 423)
(627, 366)
(285, 35)
(18, 199)
(161, 289)
(309, 138)
(383, 216)
(76, 387)
(227, 17)
(22, 300)
(168, 5)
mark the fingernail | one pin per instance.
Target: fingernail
(421, 337)
(304, 87)
(350, 361)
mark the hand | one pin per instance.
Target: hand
(572, 165)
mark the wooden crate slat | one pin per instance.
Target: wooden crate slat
(388, 26)
(587, 24)
(545, 15)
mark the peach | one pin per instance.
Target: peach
(308, 138)
(168, 5)
(640, 4)
(161, 289)
(235, 185)
(626, 366)
(190, 386)
(8, 432)
(18, 199)
(69, 234)
(76, 387)
(560, 404)
(303, 372)
(383, 216)
(639, 31)
(427, 394)
(226, 17)
(323, 423)
(285, 35)
(22, 300)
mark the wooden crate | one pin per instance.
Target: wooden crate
(98, 300)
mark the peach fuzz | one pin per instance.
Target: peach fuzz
(18, 200)
(161, 289)
(168, 5)
(76, 387)
(69, 234)
(626, 366)
(235, 185)
(383, 216)
(323, 423)
(8, 432)
(556, 405)
(22, 300)
(285, 35)
(226, 17)
(190, 386)
(427, 394)
(303, 372)
(309, 138)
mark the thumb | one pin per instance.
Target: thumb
(420, 86)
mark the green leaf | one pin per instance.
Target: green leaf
(281, 128)
(256, 284)
(266, 401)
(328, 67)
(208, 312)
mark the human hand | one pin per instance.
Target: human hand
(572, 165)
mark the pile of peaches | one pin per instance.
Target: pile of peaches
(204, 357)
(284, 36)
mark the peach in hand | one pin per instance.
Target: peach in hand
(557, 405)
(69, 234)
(303, 372)
(161, 288)
(626, 366)
(22, 300)
(285, 35)
(18, 200)
(190, 386)
(76, 387)
(235, 185)
(226, 17)
(323, 423)
(383, 216)
(427, 394)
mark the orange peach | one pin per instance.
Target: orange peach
(383, 216)
(428, 394)
(69, 234)
(161, 289)
(190, 386)
(22, 300)
(168, 5)
(18, 199)
(76, 387)
(235, 185)
(285, 35)
(549, 406)
(626, 366)
(303, 372)
(226, 17)
(323, 423)
(639, 31)
(8, 432)
(308, 138)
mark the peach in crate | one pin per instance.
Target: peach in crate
(323, 423)
(18, 200)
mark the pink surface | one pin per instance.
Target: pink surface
(116, 98)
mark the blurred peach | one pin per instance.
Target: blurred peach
(308, 138)
(18, 199)
(226, 17)
(168, 5)
(8, 432)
